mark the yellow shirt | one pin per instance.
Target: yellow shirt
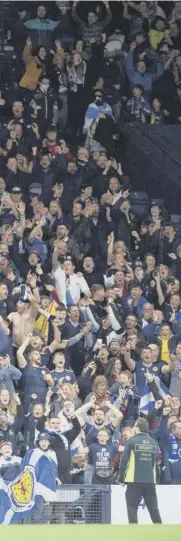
(156, 36)
(165, 353)
(42, 324)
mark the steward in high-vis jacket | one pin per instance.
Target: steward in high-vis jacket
(139, 470)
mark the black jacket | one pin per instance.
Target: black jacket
(123, 227)
(31, 425)
(61, 445)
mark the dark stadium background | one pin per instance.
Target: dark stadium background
(151, 155)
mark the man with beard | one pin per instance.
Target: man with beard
(36, 378)
(114, 348)
(96, 110)
(71, 186)
(93, 423)
(72, 247)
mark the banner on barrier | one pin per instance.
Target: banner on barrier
(169, 503)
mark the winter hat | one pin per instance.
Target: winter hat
(5, 443)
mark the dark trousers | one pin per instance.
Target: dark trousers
(134, 493)
(97, 480)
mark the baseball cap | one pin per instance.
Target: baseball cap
(35, 252)
(16, 189)
(35, 186)
(44, 436)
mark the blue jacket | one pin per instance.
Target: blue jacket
(7, 376)
(40, 247)
(41, 31)
(138, 309)
(146, 79)
(150, 330)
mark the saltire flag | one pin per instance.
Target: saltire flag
(147, 401)
(75, 445)
(37, 478)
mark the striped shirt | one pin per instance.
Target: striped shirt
(91, 34)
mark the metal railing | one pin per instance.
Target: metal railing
(74, 504)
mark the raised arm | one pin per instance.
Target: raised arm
(128, 360)
(85, 330)
(125, 11)
(21, 226)
(27, 51)
(80, 412)
(76, 17)
(135, 6)
(32, 282)
(108, 17)
(55, 261)
(169, 61)
(20, 353)
(161, 298)
(34, 232)
(110, 246)
(42, 312)
(72, 434)
(117, 414)
(113, 315)
(167, 368)
(129, 63)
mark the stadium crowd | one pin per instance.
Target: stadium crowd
(131, 52)
(90, 305)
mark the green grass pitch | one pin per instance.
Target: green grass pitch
(90, 533)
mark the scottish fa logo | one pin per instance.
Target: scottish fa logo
(21, 491)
